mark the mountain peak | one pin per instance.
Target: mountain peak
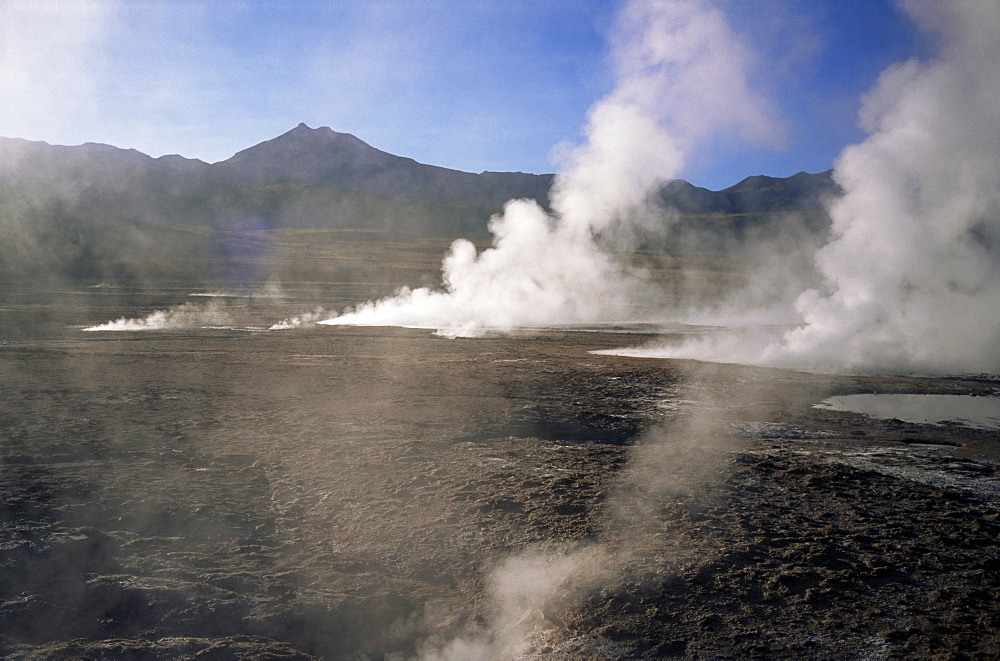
(309, 156)
(305, 138)
(304, 129)
(751, 183)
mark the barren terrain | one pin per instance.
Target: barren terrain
(365, 493)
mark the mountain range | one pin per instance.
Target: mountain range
(83, 203)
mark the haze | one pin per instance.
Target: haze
(465, 85)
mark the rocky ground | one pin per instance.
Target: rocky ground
(388, 494)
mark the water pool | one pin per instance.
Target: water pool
(979, 412)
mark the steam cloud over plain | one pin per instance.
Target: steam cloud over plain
(178, 317)
(680, 77)
(911, 275)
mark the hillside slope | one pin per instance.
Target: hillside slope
(96, 212)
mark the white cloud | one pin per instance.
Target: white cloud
(52, 58)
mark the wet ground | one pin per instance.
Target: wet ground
(352, 493)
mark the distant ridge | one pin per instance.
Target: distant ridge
(755, 194)
(325, 157)
(96, 211)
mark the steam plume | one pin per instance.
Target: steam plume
(304, 320)
(522, 590)
(912, 275)
(188, 315)
(681, 75)
(684, 460)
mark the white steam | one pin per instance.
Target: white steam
(304, 320)
(525, 591)
(680, 76)
(178, 317)
(534, 595)
(912, 275)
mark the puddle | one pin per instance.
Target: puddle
(978, 412)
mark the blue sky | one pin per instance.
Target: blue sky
(460, 83)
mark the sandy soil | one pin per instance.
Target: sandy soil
(389, 494)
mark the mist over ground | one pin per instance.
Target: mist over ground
(906, 282)
(910, 279)
(912, 236)
(550, 269)
(222, 446)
